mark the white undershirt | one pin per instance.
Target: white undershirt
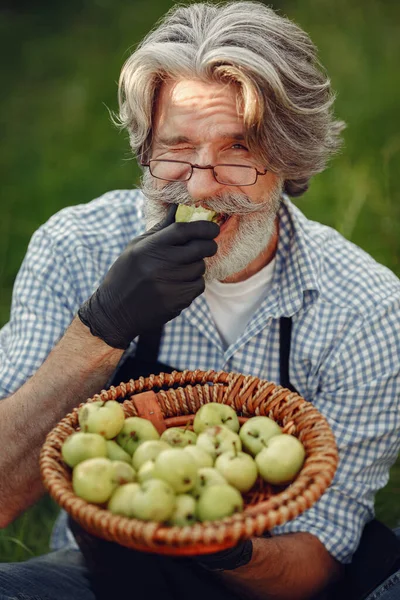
(233, 304)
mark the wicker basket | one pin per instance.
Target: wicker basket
(172, 401)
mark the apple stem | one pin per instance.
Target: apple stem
(186, 426)
(236, 450)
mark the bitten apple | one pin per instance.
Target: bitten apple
(187, 214)
(105, 418)
(215, 413)
(281, 460)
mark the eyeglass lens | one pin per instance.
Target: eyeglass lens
(225, 174)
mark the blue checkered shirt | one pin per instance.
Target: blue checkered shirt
(345, 339)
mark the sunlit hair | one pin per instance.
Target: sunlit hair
(284, 94)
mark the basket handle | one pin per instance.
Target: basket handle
(148, 408)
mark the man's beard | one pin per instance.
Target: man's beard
(255, 228)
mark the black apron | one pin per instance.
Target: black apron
(119, 572)
(145, 361)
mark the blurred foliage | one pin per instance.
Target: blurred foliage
(60, 64)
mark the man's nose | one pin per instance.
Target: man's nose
(203, 185)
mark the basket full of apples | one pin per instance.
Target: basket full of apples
(190, 462)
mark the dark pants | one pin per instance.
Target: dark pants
(155, 576)
(62, 575)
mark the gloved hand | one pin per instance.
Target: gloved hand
(158, 275)
(229, 559)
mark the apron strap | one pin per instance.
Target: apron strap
(145, 361)
(149, 345)
(285, 334)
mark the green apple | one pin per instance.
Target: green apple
(105, 418)
(153, 501)
(188, 214)
(134, 432)
(122, 473)
(93, 481)
(256, 432)
(184, 512)
(238, 468)
(120, 502)
(176, 467)
(80, 446)
(148, 450)
(219, 501)
(206, 477)
(115, 452)
(215, 413)
(218, 439)
(281, 460)
(146, 471)
(178, 437)
(201, 457)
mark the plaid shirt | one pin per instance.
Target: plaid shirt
(345, 339)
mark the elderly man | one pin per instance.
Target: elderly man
(226, 108)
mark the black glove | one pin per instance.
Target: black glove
(158, 275)
(229, 559)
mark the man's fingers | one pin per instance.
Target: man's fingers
(187, 273)
(178, 234)
(199, 230)
(193, 251)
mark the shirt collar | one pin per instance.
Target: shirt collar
(297, 261)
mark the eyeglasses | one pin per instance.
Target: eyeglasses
(178, 170)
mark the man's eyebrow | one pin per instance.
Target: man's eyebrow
(238, 137)
(175, 140)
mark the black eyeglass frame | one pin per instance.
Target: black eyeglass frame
(205, 167)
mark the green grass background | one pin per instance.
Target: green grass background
(59, 66)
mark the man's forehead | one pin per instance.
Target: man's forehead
(188, 92)
(194, 100)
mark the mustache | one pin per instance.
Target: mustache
(175, 192)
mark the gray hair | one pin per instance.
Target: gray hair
(284, 94)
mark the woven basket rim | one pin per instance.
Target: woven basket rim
(249, 396)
